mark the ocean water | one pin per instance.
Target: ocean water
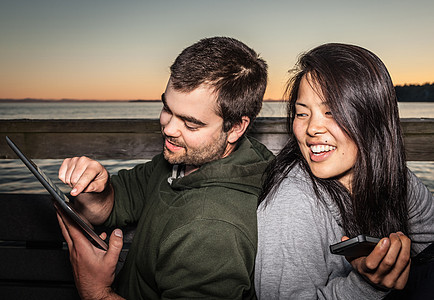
(103, 110)
(15, 178)
(138, 110)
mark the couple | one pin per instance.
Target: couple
(341, 173)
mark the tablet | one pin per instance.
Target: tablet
(59, 197)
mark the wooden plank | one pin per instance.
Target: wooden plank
(419, 147)
(81, 125)
(418, 138)
(141, 138)
(34, 258)
(104, 145)
(414, 126)
(28, 218)
(34, 261)
(31, 219)
(46, 265)
(37, 291)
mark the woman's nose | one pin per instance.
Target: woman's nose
(316, 125)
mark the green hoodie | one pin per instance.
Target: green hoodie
(196, 237)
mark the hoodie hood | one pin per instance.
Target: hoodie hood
(242, 170)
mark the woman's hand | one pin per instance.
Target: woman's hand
(388, 265)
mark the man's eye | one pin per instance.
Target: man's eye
(191, 127)
(166, 109)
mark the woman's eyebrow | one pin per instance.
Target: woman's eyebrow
(300, 104)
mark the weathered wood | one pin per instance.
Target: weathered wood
(46, 264)
(35, 290)
(34, 260)
(141, 138)
(28, 217)
(31, 219)
(418, 139)
(122, 139)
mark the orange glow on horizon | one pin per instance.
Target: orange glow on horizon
(138, 88)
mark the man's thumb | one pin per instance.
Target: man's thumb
(115, 244)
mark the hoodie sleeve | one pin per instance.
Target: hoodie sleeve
(130, 188)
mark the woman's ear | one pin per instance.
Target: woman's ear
(238, 130)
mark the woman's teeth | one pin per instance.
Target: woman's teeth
(321, 148)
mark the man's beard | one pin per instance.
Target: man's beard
(196, 156)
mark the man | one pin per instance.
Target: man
(194, 204)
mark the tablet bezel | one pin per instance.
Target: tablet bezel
(61, 199)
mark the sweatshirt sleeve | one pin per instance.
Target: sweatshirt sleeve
(130, 191)
(207, 259)
(293, 259)
(421, 214)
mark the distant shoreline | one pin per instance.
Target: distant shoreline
(405, 93)
(29, 100)
(32, 100)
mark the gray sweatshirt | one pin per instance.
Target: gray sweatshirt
(295, 231)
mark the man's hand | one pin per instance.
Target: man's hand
(388, 265)
(94, 269)
(83, 174)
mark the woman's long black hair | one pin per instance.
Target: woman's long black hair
(357, 88)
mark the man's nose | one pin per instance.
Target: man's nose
(170, 125)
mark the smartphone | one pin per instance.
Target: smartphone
(360, 245)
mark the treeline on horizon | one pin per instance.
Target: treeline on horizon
(404, 93)
(415, 93)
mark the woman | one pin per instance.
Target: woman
(341, 173)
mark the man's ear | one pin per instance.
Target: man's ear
(238, 130)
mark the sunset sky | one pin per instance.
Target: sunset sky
(107, 49)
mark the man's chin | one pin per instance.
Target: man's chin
(171, 158)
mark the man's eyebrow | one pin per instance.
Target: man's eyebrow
(191, 119)
(183, 117)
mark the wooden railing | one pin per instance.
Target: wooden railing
(141, 138)
(33, 257)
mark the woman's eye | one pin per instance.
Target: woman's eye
(300, 115)
(329, 113)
